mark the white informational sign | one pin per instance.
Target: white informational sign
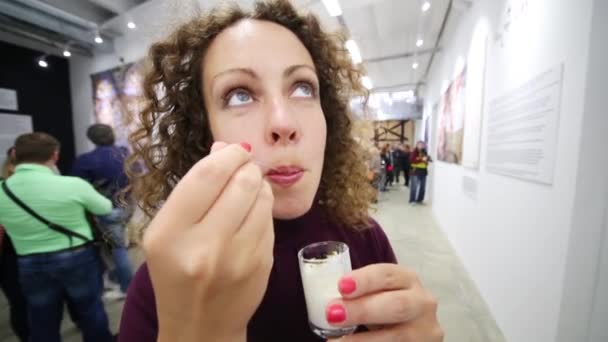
(11, 126)
(523, 126)
(469, 187)
(8, 99)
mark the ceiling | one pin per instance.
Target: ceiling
(386, 31)
(61, 23)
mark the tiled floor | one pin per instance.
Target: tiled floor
(419, 244)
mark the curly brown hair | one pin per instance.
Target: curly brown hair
(174, 131)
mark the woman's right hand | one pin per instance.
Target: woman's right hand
(210, 249)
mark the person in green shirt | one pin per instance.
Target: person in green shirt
(54, 267)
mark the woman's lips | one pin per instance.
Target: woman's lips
(285, 175)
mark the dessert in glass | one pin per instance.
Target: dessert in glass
(322, 265)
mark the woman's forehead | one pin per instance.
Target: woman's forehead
(255, 44)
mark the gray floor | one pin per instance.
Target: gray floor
(419, 244)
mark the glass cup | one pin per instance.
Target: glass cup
(322, 265)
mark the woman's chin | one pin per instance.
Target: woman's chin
(289, 209)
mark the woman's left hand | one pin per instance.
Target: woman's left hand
(391, 301)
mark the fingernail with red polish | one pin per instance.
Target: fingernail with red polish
(347, 285)
(246, 146)
(336, 314)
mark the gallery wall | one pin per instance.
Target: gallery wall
(513, 234)
(585, 300)
(42, 93)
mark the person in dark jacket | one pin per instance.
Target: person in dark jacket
(387, 161)
(402, 163)
(397, 154)
(104, 168)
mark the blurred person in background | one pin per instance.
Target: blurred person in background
(405, 163)
(44, 215)
(420, 160)
(387, 161)
(9, 277)
(103, 167)
(8, 166)
(398, 161)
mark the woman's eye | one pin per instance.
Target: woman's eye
(239, 98)
(303, 90)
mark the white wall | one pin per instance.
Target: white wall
(585, 301)
(514, 238)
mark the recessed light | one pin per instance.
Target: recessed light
(419, 42)
(42, 63)
(98, 39)
(426, 6)
(67, 53)
(333, 7)
(131, 25)
(415, 65)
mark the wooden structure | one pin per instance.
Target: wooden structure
(394, 131)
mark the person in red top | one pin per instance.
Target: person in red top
(419, 160)
(249, 156)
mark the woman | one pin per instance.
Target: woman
(9, 275)
(419, 160)
(229, 218)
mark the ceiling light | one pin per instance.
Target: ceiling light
(415, 65)
(367, 82)
(333, 7)
(42, 63)
(131, 25)
(419, 42)
(98, 39)
(67, 53)
(426, 6)
(353, 49)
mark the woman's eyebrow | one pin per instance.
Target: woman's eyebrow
(247, 71)
(294, 68)
(290, 70)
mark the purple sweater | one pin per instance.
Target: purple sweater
(282, 313)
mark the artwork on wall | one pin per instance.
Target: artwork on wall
(117, 98)
(451, 120)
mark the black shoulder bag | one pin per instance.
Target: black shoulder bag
(58, 228)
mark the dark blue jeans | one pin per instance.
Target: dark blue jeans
(113, 226)
(50, 280)
(417, 188)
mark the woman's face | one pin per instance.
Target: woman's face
(260, 86)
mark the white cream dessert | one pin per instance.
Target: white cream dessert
(320, 279)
